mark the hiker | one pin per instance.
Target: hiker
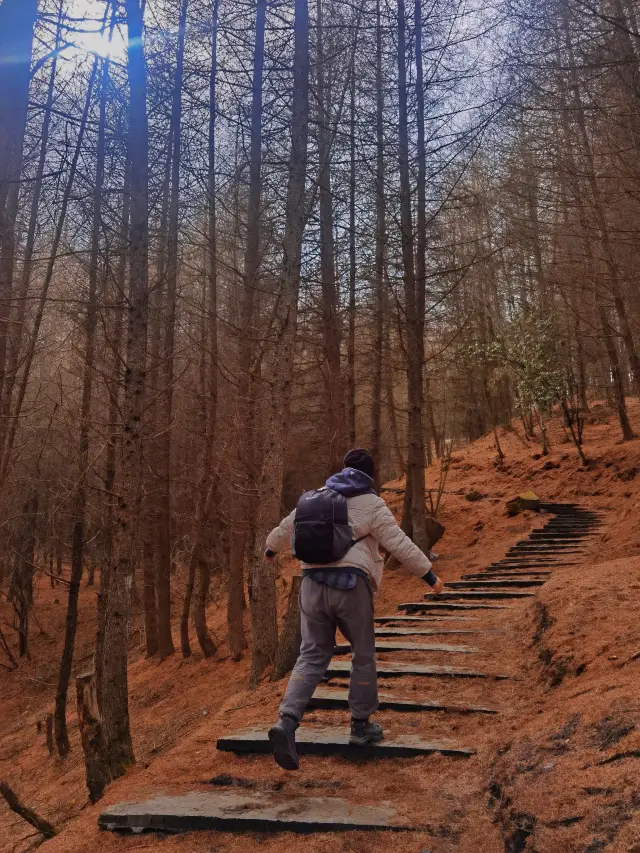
(335, 532)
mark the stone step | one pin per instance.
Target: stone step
(556, 537)
(480, 582)
(580, 533)
(342, 669)
(514, 573)
(385, 620)
(338, 700)
(421, 606)
(547, 550)
(417, 632)
(560, 547)
(518, 562)
(228, 811)
(335, 741)
(492, 574)
(510, 565)
(345, 648)
(477, 595)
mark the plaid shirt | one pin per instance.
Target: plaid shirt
(336, 578)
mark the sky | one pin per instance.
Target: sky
(89, 38)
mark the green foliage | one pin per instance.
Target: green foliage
(527, 350)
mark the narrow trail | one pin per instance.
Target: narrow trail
(439, 661)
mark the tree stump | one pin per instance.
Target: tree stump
(93, 740)
(435, 530)
(291, 637)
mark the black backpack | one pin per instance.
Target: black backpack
(322, 533)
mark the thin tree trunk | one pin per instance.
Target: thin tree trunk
(414, 303)
(378, 275)
(331, 327)
(164, 522)
(154, 507)
(211, 378)
(246, 413)
(80, 499)
(351, 353)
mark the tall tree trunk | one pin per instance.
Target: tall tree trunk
(236, 603)
(113, 388)
(331, 324)
(380, 248)
(351, 350)
(163, 579)
(115, 698)
(211, 377)
(413, 304)
(421, 235)
(153, 515)
(80, 498)
(262, 606)
(263, 591)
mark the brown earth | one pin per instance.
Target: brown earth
(556, 771)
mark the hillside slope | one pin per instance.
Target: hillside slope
(556, 773)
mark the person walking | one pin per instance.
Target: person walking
(336, 532)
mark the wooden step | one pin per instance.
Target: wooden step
(335, 741)
(345, 648)
(342, 669)
(229, 811)
(338, 700)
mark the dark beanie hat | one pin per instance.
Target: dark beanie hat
(360, 459)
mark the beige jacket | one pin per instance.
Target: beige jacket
(369, 516)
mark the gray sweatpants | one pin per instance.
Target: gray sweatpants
(322, 610)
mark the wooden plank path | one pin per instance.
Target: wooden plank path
(463, 609)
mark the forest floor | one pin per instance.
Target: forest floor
(557, 770)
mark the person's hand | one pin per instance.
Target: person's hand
(437, 587)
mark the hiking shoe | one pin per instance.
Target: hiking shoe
(364, 732)
(283, 739)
